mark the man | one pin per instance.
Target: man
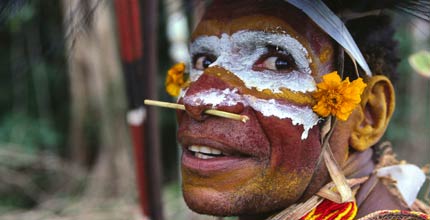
(266, 60)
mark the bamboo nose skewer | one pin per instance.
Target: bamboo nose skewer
(214, 112)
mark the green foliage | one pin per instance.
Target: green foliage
(30, 133)
(11, 200)
(34, 102)
(16, 20)
(397, 131)
(421, 62)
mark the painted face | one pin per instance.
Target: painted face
(261, 59)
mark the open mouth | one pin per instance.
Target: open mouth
(205, 159)
(204, 152)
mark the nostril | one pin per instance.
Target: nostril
(197, 112)
(210, 91)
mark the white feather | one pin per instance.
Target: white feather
(409, 179)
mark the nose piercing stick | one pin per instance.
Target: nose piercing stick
(214, 112)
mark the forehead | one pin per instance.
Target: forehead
(270, 15)
(256, 22)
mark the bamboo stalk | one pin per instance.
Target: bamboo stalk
(164, 104)
(213, 112)
(333, 168)
(337, 176)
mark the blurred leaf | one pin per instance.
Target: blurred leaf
(17, 18)
(420, 62)
(32, 134)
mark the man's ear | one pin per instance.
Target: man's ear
(374, 113)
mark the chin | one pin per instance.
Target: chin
(209, 202)
(256, 197)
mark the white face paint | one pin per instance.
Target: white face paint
(214, 97)
(238, 53)
(299, 115)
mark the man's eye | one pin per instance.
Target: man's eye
(203, 61)
(278, 63)
(276, 59)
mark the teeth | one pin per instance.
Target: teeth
(206, 150)
(203, 156)
(202, 151)
(194, 148)
(215, 151)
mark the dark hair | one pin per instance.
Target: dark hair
(374, 36)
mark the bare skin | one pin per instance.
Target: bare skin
(266, 165)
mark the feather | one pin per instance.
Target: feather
(417, 8)
(333, 26)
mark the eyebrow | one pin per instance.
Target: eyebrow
(244, 38)
(284, 41)
(206, 44)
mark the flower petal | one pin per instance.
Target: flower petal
(336, 97)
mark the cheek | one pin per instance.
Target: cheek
(289, 153)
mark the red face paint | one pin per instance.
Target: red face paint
(235, 168)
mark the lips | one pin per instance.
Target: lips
(207, 156)
(217, 144)
(206, 160)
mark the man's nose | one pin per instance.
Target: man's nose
(209, 91)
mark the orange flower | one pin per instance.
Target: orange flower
(175, 79)
(337, 97)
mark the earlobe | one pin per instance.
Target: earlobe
(373, 114)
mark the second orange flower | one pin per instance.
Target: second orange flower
(175, 79)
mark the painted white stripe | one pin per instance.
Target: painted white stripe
(214, 97)
(299, 115)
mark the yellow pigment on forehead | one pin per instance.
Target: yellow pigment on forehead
(326, 54)
(297, 98)
(253, 23)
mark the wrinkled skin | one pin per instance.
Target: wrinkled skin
(267, 166)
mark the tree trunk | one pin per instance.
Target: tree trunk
(98, 99)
